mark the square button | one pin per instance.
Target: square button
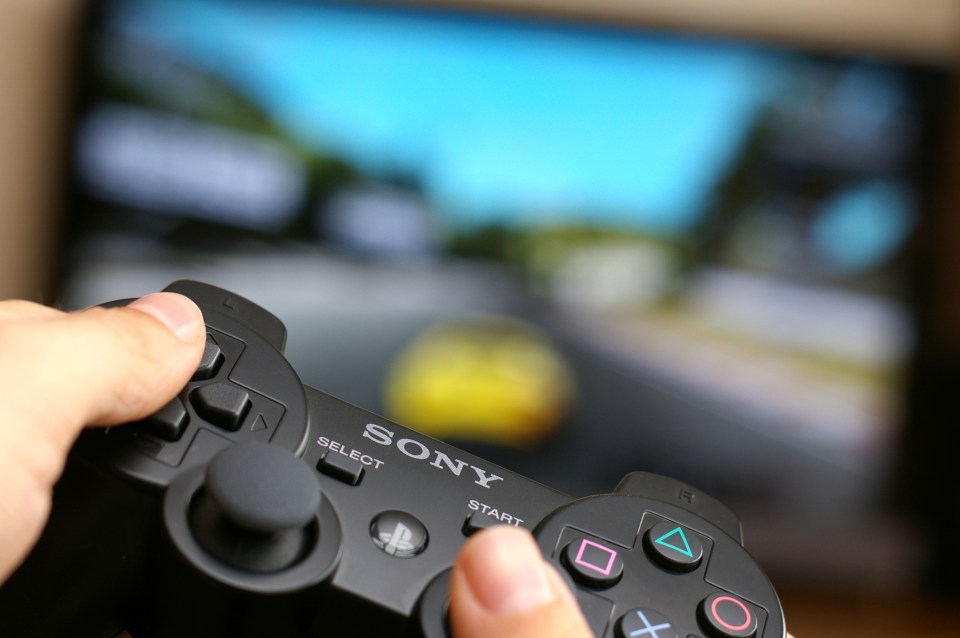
(592, 563)
(595, 556)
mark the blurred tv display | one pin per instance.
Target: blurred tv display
(732, 220)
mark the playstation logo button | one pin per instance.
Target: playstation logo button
(399, 534)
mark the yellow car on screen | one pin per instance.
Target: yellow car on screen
(487, 379)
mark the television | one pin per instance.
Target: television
(577, 247)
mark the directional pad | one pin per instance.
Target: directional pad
(222, 404)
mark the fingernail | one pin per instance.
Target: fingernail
(506, 572)
(176, 312)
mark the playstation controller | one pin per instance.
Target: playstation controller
(252, 505)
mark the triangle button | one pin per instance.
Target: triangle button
(674, 546)
(674, 538)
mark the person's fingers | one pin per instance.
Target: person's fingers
(62, 371)
(501, 586)
(100, 365)
(18, 310)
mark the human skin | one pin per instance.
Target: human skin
(61, 372)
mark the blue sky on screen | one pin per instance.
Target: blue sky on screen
(497, 117)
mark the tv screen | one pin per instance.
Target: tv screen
(580, 249)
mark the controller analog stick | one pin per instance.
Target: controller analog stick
(257, 508)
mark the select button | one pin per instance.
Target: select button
(342, 468)
(645, 623)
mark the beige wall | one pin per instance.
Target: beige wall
(32, 92)
(923, 30)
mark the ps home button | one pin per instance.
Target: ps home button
(674, 546)
(398, 534)
(726, 616)
(592, 563)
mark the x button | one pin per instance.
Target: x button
(645, 623)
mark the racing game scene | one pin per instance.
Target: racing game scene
(565, 245)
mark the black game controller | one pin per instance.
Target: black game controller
(252, 505)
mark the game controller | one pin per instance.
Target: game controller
(252, 505)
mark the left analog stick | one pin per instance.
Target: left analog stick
(257, 508)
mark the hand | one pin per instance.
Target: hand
(62, 371)
(501, 586)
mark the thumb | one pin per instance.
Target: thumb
(501, 586)
(62, 371)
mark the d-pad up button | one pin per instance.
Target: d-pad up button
(210, 362)
(222, 404)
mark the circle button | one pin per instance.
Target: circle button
(399, 534)
(674, 546)
(726, 616)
